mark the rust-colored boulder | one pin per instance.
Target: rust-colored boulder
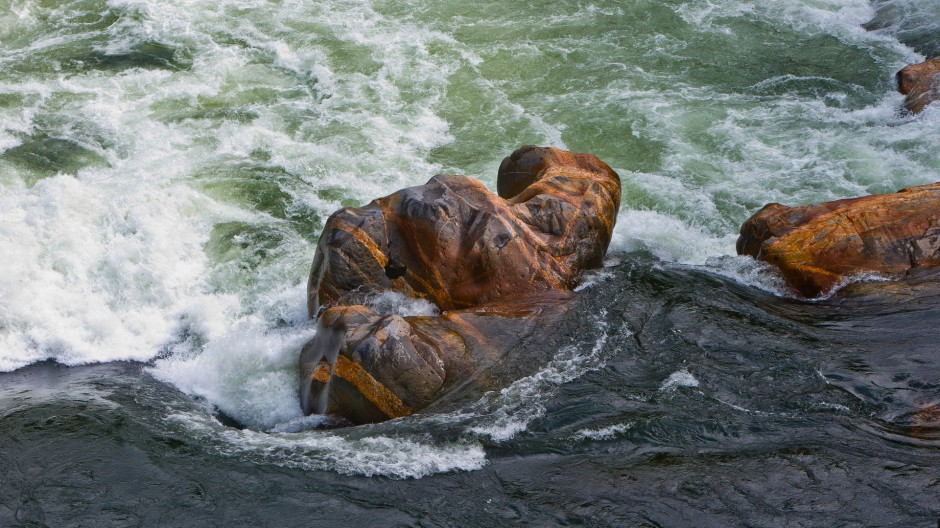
(456, 244)
(817, 247)
(920, 83)
(500, 267)
(370, 367)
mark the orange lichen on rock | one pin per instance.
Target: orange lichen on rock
(456, 244)
(817, 247)
(920, 83)
(500, 266)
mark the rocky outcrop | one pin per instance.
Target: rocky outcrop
(818, 247)
(456, 244)
(920, 83)
(499, 266)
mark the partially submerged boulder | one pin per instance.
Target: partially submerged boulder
(500, 267)
(920, 83)
(370, 367)
(818, 247)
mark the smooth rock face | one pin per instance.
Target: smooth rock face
(817, 247)
(499, 267)
(920, 83)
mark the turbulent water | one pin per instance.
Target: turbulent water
(166, 167)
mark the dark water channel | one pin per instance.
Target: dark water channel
(714, 404)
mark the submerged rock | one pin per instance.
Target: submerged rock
(920, 83)
(499, 266)
(817, 247)
(369, 367)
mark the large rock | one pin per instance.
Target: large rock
(456, 244)
(500, 267)
(920, 83)
(818, 247)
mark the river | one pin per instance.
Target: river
(166, 168)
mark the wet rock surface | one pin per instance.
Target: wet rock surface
(369, 367)
(501, 267)
(456, 244)
(818, 247)
(920, 83)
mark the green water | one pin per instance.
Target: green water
(166, 168)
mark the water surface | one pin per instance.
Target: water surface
(166, 168)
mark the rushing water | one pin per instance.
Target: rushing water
(166, 167)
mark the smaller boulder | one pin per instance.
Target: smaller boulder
(369, 367)
(818, 247)
(920, 83)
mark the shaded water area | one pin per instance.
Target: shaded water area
(166, 168)
(702, 402)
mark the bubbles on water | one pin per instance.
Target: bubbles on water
(250, 373)
(603, 433)
(375, 455)
(506, 413)
(679, 378)
(392, 302)
(750, 272)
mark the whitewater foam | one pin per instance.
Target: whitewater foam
(399, 457)
(679, 378)
(603, 433)
(111, 260)
(98, 279)
(506, 413)
(250, 373)
(392, 302)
